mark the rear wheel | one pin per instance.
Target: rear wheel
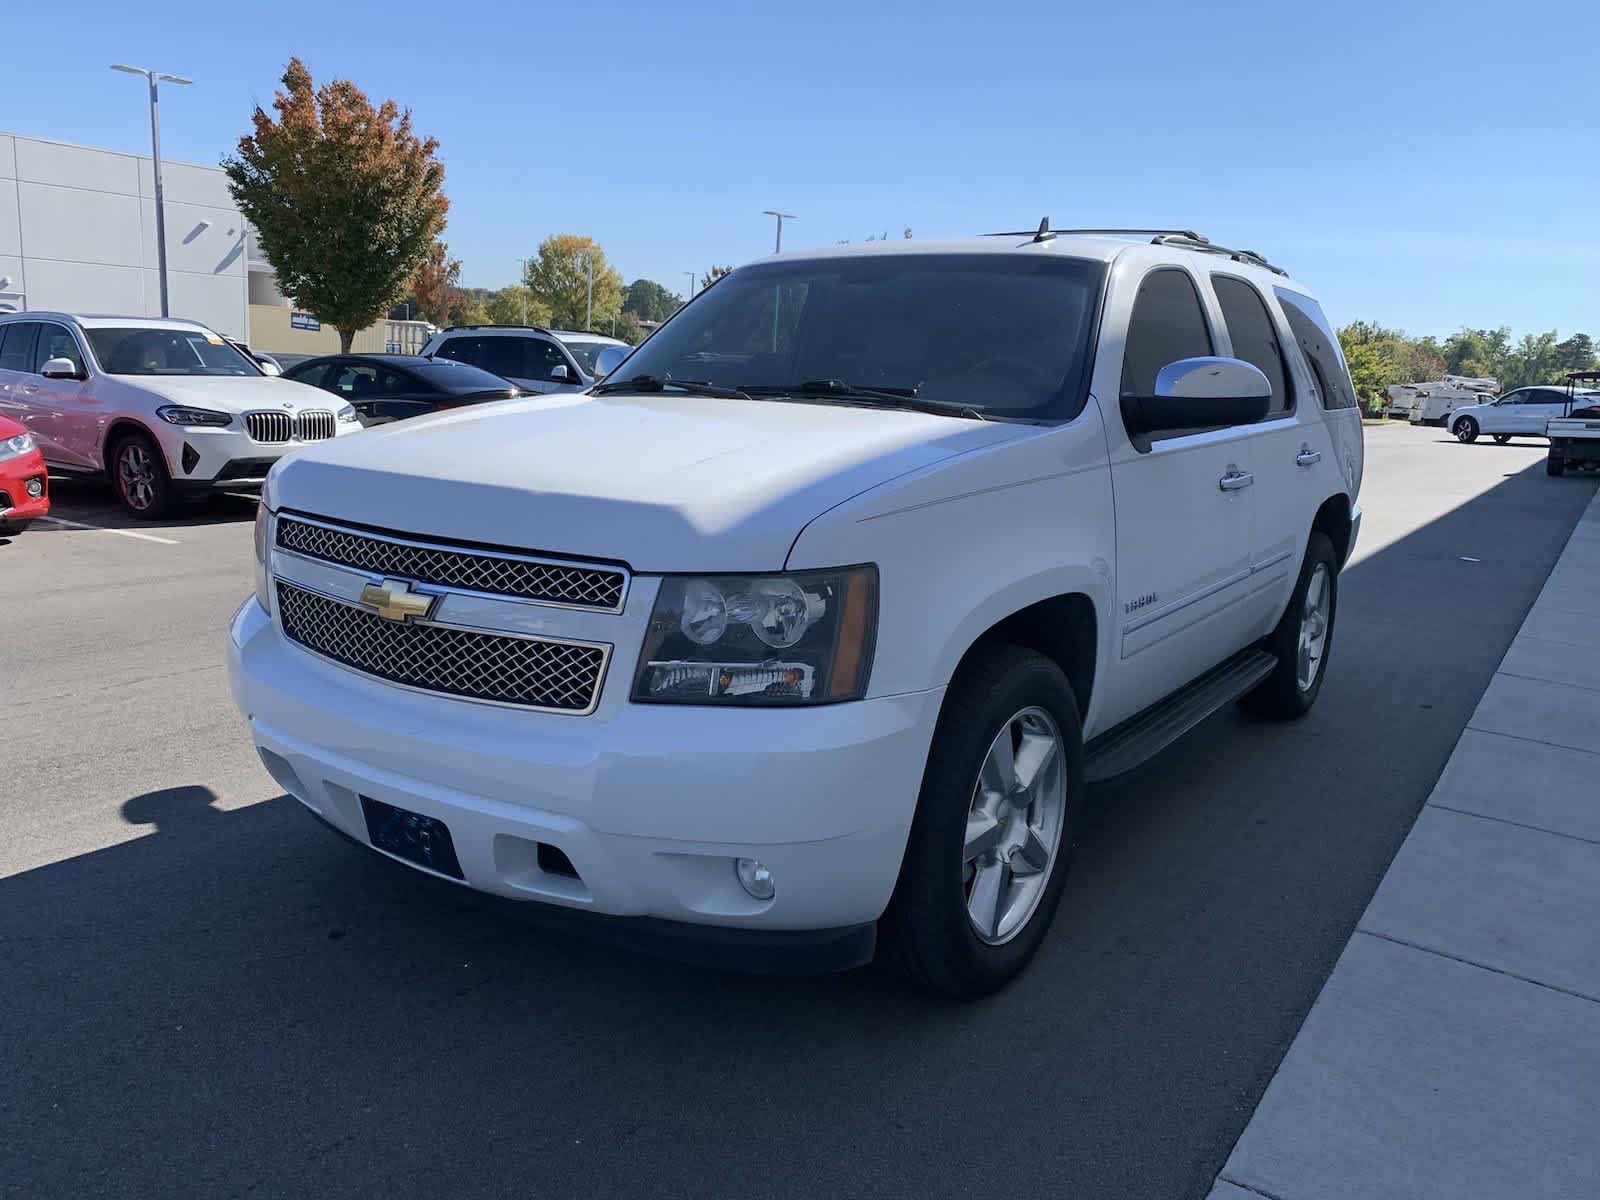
(1302, 640)
(989, 848)
(139, 473)
(1555, 464)
(1500, 439)
(1465, 429)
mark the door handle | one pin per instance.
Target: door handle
(1307, 457)
(1235, 479)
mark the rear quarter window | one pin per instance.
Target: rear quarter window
(1318, 343)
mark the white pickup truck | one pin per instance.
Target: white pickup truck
(1575, 435)
(805, 630)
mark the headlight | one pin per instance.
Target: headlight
(17, 446)
(347, 414)
(182, 414)
(263, 546)
(804, 637)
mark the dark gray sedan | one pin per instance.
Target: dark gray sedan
(392, 387)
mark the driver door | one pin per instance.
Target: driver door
(1185, 511)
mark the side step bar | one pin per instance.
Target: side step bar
(1146, 734)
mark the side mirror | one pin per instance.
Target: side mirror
(608, 360)
(61, 368)
(1198, 393)
(559, 373)
(268, 367)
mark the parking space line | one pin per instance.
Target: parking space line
(128, 533)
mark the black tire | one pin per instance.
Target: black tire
(1466, 430)
(1280, 697)
(12, 528)
(139, 475)
(926, 928)
(1554, 464)
(1500, 439)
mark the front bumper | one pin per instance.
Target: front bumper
(202, 460)
(650, 804)
(15, 474)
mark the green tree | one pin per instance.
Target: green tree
(628, 328)
(649, 301)
(516, 305)
(345, 198)
(559, 278)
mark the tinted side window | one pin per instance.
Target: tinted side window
(1167, 324)
(1253, 336)
(314, 376)
(539, 358)
(55, 342)
(1321, 348)
(16, 346)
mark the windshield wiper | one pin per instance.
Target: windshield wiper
(881, 397)
(649, 383)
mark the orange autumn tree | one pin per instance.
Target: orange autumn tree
(345, 198)
(434, 283)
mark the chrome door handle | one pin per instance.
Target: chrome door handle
(1307, 457)
(1234, 480)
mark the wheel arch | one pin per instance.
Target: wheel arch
(1333, 519)
(119, 428)
(1064, 628)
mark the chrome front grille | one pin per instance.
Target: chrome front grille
(529, 672)
(314, 426)
(474, 570)
(269, 426)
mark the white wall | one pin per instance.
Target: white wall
(77, 233)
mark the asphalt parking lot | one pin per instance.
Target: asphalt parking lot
(205, 994)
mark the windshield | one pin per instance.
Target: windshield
(1005, 335)
(167, 352)
(585, 352)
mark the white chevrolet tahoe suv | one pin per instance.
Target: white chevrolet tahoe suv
(807, 628)
(166, 408)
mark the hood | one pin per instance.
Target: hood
(231, 393)
(662, 483)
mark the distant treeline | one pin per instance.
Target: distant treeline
(1379, 357)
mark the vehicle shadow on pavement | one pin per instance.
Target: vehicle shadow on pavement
(236, 1001)
(94, 502)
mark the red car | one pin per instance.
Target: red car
(24, 488)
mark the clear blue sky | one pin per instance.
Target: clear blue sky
(1426, 165)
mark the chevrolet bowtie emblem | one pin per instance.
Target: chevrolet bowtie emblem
(393, 600)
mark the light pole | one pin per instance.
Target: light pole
(690, 296)
(155, 158)
(523, 289)
(588, 316)
(782, 217)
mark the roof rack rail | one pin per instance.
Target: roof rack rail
(1207, 246)
(1044, 232)
(492, 325)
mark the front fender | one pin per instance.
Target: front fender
(968, 542)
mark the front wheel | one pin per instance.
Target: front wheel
(1466, 430)
(139, 471)
(989, 847)
(1555, 464)
(1302, 640)
(1500, 439)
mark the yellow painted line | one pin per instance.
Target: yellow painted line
(127, 533)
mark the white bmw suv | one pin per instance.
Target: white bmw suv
(167, 408)
(805, 629)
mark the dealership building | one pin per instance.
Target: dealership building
(78, 234)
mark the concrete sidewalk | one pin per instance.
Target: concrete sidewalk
(1455, 1050)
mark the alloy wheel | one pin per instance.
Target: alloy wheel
(136, 476)
(1014, 825)
(1314, 623)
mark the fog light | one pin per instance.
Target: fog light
(754, 878)
(35, 487)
